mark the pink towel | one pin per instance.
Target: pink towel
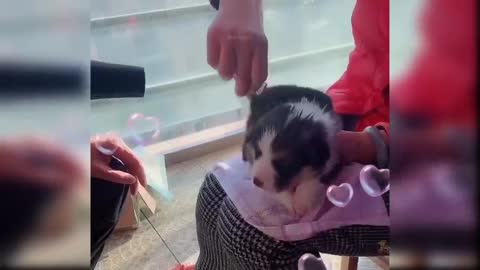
(264, 211)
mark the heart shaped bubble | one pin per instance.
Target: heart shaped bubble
(144, 129)
(340, 195)
(310, 262)
(374, 182)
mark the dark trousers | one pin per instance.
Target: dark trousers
(107, 200)
(21, 205)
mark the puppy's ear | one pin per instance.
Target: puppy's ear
(246, 155)
(244, 151)
(247, 152)
(316, 146)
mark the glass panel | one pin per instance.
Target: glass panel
(309, 45)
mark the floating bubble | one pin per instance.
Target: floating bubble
(144, 129)
(105, 145)
(374, 182)
(340, 195)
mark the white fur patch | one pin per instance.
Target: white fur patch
(262, 168)
(308, 109)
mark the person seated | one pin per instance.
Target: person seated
(237, 48)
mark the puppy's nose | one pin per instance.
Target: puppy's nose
(257, 182)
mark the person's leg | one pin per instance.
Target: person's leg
(107, 199)
(227, 242)
(247, 248)
(21, 204)
(210, 198)
(354, 240)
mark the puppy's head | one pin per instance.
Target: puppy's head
(291, 144)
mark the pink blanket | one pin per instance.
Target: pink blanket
(264, 211)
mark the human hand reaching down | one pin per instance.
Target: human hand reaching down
(237, 46)
(100, 163)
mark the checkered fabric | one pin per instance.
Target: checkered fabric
(227, 242)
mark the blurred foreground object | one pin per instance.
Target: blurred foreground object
(433, 143)
(44, 200)
(37, 177)
(108, 80)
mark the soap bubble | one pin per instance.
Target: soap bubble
(143, 129)
(374, 182)
(340, 195)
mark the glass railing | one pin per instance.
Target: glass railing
(309, 46)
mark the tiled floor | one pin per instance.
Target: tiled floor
(169, 236)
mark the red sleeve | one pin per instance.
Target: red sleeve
(360, 90)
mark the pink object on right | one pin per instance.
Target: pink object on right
(265, 211)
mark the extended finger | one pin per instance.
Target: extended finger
(104, 172)
(226, 65)
(213, 48)
(133, 164)
(243, 58)
(259, 69)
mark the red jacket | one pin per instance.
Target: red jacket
(440, 83)
(363, 88)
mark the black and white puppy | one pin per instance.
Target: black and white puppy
(289, 144)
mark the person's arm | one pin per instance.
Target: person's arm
(237, 46)
(360, 91)
(362, 147)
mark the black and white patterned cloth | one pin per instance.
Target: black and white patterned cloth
(227, 242)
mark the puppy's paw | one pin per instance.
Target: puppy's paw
(300, 207)
(286, 199)
(307, 196)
